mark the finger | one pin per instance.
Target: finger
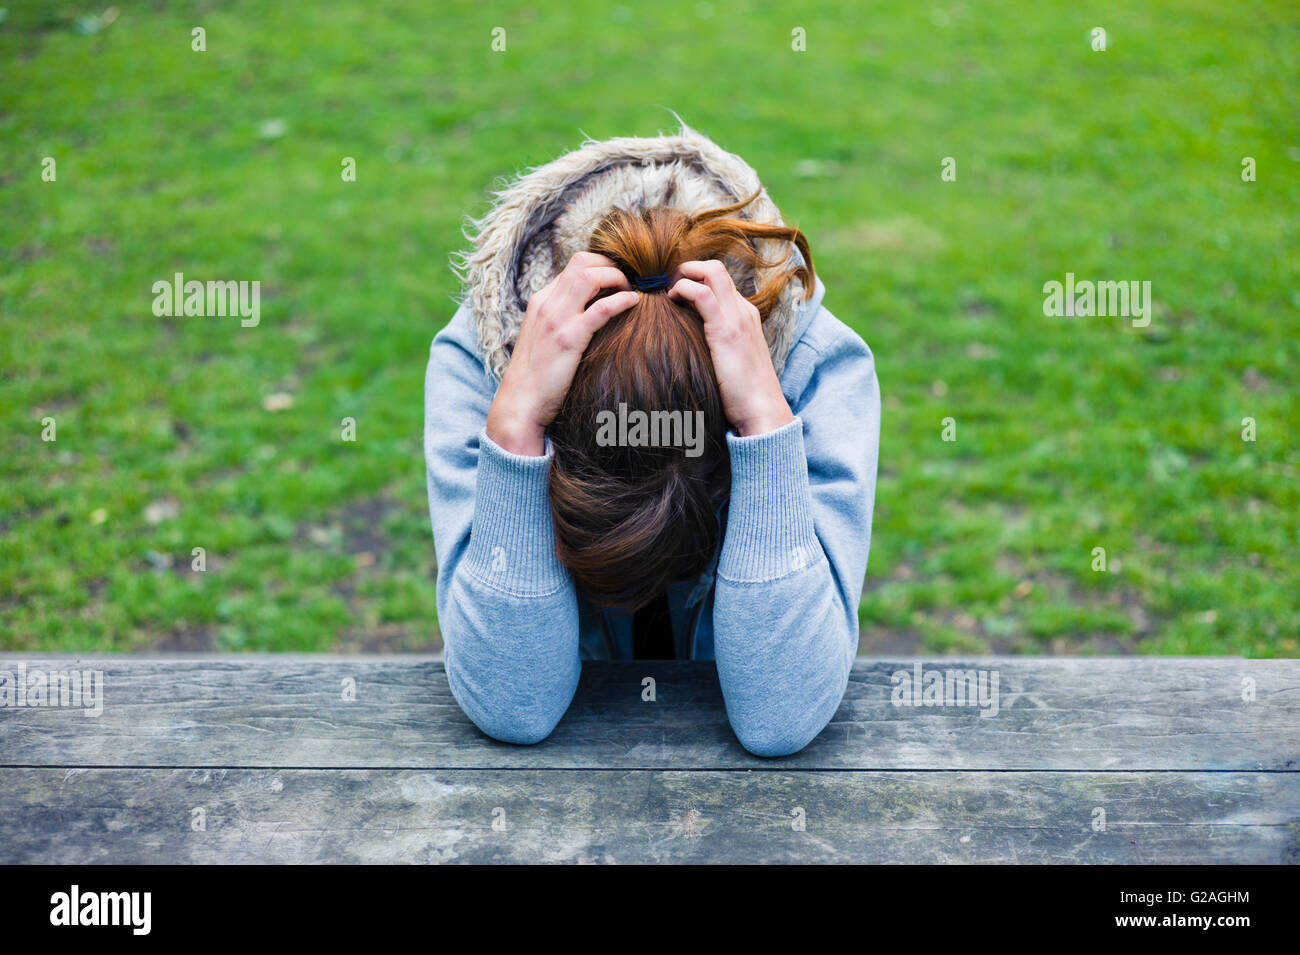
(601, 277)
(578, 263)
(714, 275)
(585, 260)
(582, 286)
(703, 298)
(603, 309)
(711, 272)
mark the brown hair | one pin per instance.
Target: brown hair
(631, 520)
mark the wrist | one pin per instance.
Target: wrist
(516, 433)
(764, 422)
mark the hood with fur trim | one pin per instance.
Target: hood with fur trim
(547, 214)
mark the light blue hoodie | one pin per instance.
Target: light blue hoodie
(778, 608)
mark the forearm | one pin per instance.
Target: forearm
(512, 661)
(510, 617)
(784, 640)
(784, 654)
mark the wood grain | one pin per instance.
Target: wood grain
(625, 816)
(288, 711)
(263, 759)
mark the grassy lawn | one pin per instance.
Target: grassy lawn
(1071, 433)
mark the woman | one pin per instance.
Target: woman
(640, 289)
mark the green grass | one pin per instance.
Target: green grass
(1071, 433)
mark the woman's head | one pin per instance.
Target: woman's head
(641, 463)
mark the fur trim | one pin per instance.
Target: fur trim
(547, 214)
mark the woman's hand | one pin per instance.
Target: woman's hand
(751, 394)
(556, 330)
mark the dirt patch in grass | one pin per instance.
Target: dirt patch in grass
(391, 638)
(186, 640)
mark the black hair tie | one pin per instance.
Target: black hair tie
(651, 283)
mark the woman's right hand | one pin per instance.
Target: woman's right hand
(556, 330)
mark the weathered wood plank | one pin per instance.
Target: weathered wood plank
(289, 711)
(306, 816)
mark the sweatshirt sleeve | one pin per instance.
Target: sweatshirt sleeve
(506, 606)
(795, 554)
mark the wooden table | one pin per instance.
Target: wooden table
(368, 759)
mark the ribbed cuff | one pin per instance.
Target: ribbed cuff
(770, 530)
(512, 541)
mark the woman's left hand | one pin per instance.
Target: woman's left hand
(751, 394)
